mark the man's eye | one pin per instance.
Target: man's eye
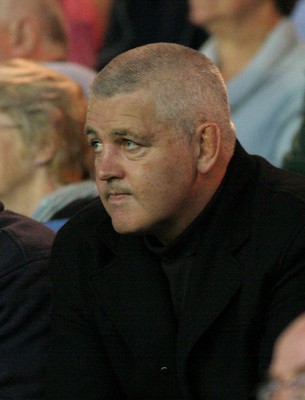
(130, 144)
(97, 145)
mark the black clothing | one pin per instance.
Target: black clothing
(116, 335)
(25, 305)
(138, 22)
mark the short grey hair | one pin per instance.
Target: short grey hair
(187, 88)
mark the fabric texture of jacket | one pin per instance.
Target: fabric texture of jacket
(25, 305)
(114, 331)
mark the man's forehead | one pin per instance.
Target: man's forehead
(132, 103)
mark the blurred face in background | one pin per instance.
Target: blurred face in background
(212, 13)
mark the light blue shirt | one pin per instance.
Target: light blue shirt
(298, 17)
(267, 97)
(61, 197)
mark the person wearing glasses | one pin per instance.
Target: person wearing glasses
(45, 162)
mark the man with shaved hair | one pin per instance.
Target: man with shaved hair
(176, 283)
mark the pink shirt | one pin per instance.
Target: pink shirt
(85, 30)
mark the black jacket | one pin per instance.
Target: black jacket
(115, 335)
(25, 306)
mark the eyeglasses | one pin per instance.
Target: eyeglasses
(272, 389)
(10, 126)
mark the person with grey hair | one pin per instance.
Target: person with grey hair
(45, 162)
(36, 30)
(256, 47)
(177, 285)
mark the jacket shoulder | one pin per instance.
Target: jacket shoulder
(85, 221)
(285, 184)
(22, 241)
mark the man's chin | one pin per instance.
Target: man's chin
(128, 228)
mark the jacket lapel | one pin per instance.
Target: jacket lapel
(212, 284)
(134, 292)
(217, 273)
(135, 296)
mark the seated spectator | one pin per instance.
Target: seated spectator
(196, 263)
(287, 369)
(87, 22)
(45, 162)
(24, 305)
(257, 49)
(36, 30)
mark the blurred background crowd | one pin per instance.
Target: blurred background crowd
(259, 46)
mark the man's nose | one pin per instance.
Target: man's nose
(108, 165)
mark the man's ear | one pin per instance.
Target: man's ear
(209, 136)
(23, 37)
(45, 154)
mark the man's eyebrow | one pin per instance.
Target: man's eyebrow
(90, 131)
(300, 370)
(114, 133)
(122, 132)
(297, 371)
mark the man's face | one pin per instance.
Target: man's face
(146, 176)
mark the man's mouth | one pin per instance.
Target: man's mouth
(114, 197)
